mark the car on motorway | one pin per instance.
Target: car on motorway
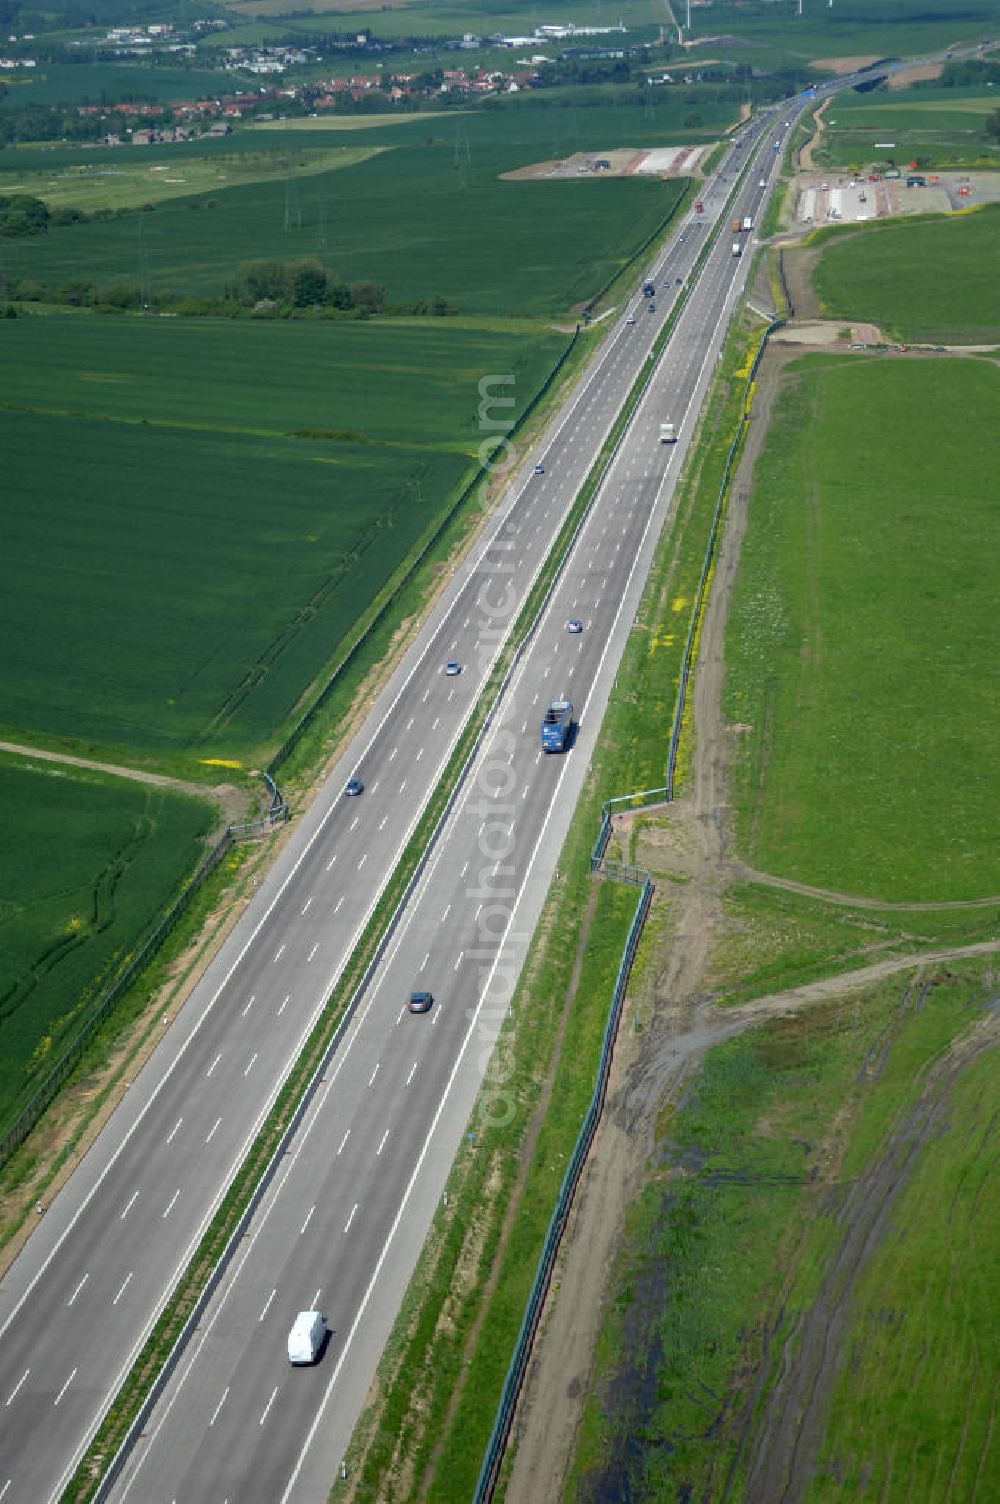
(652, 307)
(762, 183)
(420, 1002)
(630, 319)
(574, 626)
(452, 667)
(539, 469)
(679, 281)
(353, 787)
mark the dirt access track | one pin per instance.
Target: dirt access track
(649, 1074)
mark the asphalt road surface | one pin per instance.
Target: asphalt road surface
(343, 1222)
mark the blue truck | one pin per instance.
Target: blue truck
(556, 726)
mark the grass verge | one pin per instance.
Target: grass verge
(426, 1429)
(859, 647)
(773, 939)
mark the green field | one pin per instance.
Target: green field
(133, 180)
(427, 18)
(936, 127)
(733, 1245)
(892, 276)
(933, 1414)
(849, 28)
(86, 862)
(861, 646)
(203, 510)
(772, 939)
(431, 217)
(106, 83)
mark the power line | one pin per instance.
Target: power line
(293, 209)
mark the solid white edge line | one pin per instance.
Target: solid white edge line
(348, 1341)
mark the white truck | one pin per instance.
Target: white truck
(747, 223)
(668, 433)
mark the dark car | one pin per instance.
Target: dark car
(353, 787)
(420, 1002)
(574, 626)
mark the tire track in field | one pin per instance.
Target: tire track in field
(744, 873)
(791, 1431)
(223, 794)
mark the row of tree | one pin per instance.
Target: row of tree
(270, 289)
(23, 214)
(302, 284)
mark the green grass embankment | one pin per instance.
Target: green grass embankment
(773, 939)
(860, 647)
(733, 1240)
(932, 281)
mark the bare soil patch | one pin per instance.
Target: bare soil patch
(619, 162)
(805, 153)
(841, 65)
(907, 76)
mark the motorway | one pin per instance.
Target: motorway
(343, 1221)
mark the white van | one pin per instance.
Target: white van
(306, 1337)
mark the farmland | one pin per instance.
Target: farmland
(131, 181)
(851, 28)
(892, 276)
(769, 1173)
(86, 862)
(939, 1410)
(409, 219)
(860, 648)
(105, 83)
(151, 508)
(936, 127)
(204, 509)
(432, 18)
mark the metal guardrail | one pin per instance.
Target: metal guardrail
(496, 1446)
(114, 1468)
(618, 872)
(786, 294)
